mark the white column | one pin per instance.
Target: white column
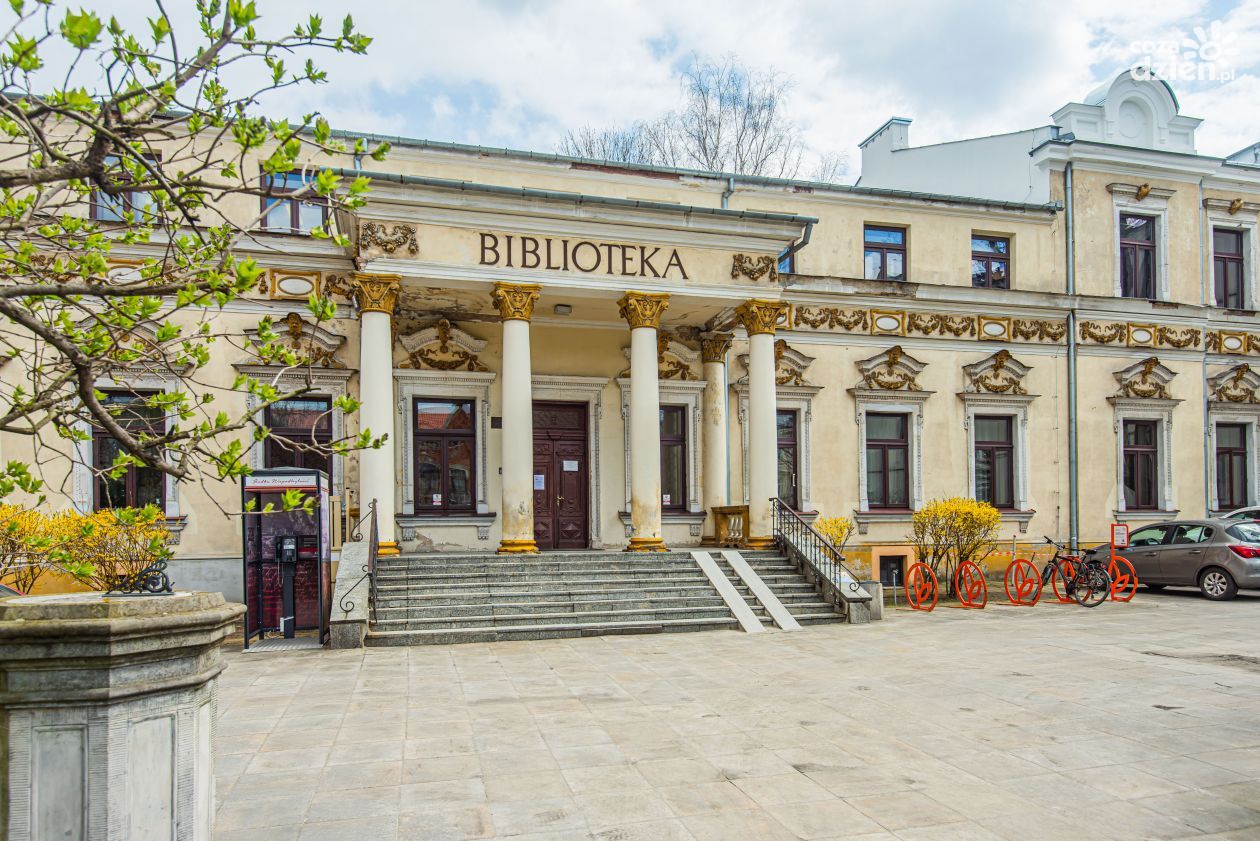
(713, 350)
(516, 306)
(759, 319)
(376, 296)
(642, 310)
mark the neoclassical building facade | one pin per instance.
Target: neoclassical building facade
(572, 354)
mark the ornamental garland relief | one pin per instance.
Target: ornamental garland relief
(378, 238)
(899, 322)
(755, 268)
(1141, 335)
(892, 370)
(1000, 373)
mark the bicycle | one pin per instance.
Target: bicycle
(1085, 578)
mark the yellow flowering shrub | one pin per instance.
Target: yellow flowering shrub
(837, 530)
(98, 549)
(946, 532)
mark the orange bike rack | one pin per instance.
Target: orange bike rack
(922, 590)
(1124, 580)
(1023, 583)
(969, 585)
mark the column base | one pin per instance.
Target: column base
(517, 547)
(646, 544)
(387, 547)
(759, 543)
(709, 540)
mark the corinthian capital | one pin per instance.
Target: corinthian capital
(643, 309)
(714, 346)
(760, 316)
(376, 292)
(515, 300)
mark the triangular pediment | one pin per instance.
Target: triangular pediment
(999, 373)
(1239, 384)
(789, 365)
(310, 342)
(1146, 379)
(443, 346)
(892, 370)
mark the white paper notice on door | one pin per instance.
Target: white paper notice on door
(570, 466)
(540, 482)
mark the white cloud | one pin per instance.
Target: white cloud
(520, 73)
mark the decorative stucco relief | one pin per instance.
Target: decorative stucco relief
(1146, 379)
(1000, 373)
(442, 346)
(1240, 384)
(892, 370)
(880, 322)
(755, 268)
(1133, 334)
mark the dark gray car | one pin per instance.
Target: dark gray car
(1217, 556)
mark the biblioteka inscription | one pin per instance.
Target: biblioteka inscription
(522, 252)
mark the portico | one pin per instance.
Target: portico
(476, 314)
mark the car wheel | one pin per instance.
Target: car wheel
(1154, 588)
(1217, 584)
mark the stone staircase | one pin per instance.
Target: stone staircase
(449, 598)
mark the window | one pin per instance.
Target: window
(995, 461)
(445, 440)
(786, 424)
(1227, 267)
(1191, 533)
(1141, 465)
(292, 215)
(138, 486)
(112, 208)
(991, 262)
(674, 458)
(887, 461)
(296, 427)
(1231, 465)
(885, 253)
(1137, 256)
(1149, 536)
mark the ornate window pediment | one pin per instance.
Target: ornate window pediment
(308, 341)
(442, 346)
(1146, 379)
(999, 373)
(789, 364)
(1239, 384)
(892, 370)
(675, 361)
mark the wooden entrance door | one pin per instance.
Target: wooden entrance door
(561, 476)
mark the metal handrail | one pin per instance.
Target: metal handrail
(814, 549)
(369, 569)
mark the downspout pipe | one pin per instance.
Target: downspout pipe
(1204, 233)
(728, 192)
(799, 244)
(1074, 502)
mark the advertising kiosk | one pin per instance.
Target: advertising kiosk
(287, 554)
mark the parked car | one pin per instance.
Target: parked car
(1219, 556)
(6, 590)
(1250, 513)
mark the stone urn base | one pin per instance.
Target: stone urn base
(107, 709)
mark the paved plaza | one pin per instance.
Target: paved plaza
(1125, 722)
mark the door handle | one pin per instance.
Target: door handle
(559, 499)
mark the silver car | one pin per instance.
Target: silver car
(1218, 556)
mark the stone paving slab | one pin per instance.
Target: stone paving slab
(1137, 721)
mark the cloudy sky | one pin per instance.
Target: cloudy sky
(520, 73)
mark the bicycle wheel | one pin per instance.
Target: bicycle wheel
(1093, 585)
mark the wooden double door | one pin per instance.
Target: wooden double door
(561, 476)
